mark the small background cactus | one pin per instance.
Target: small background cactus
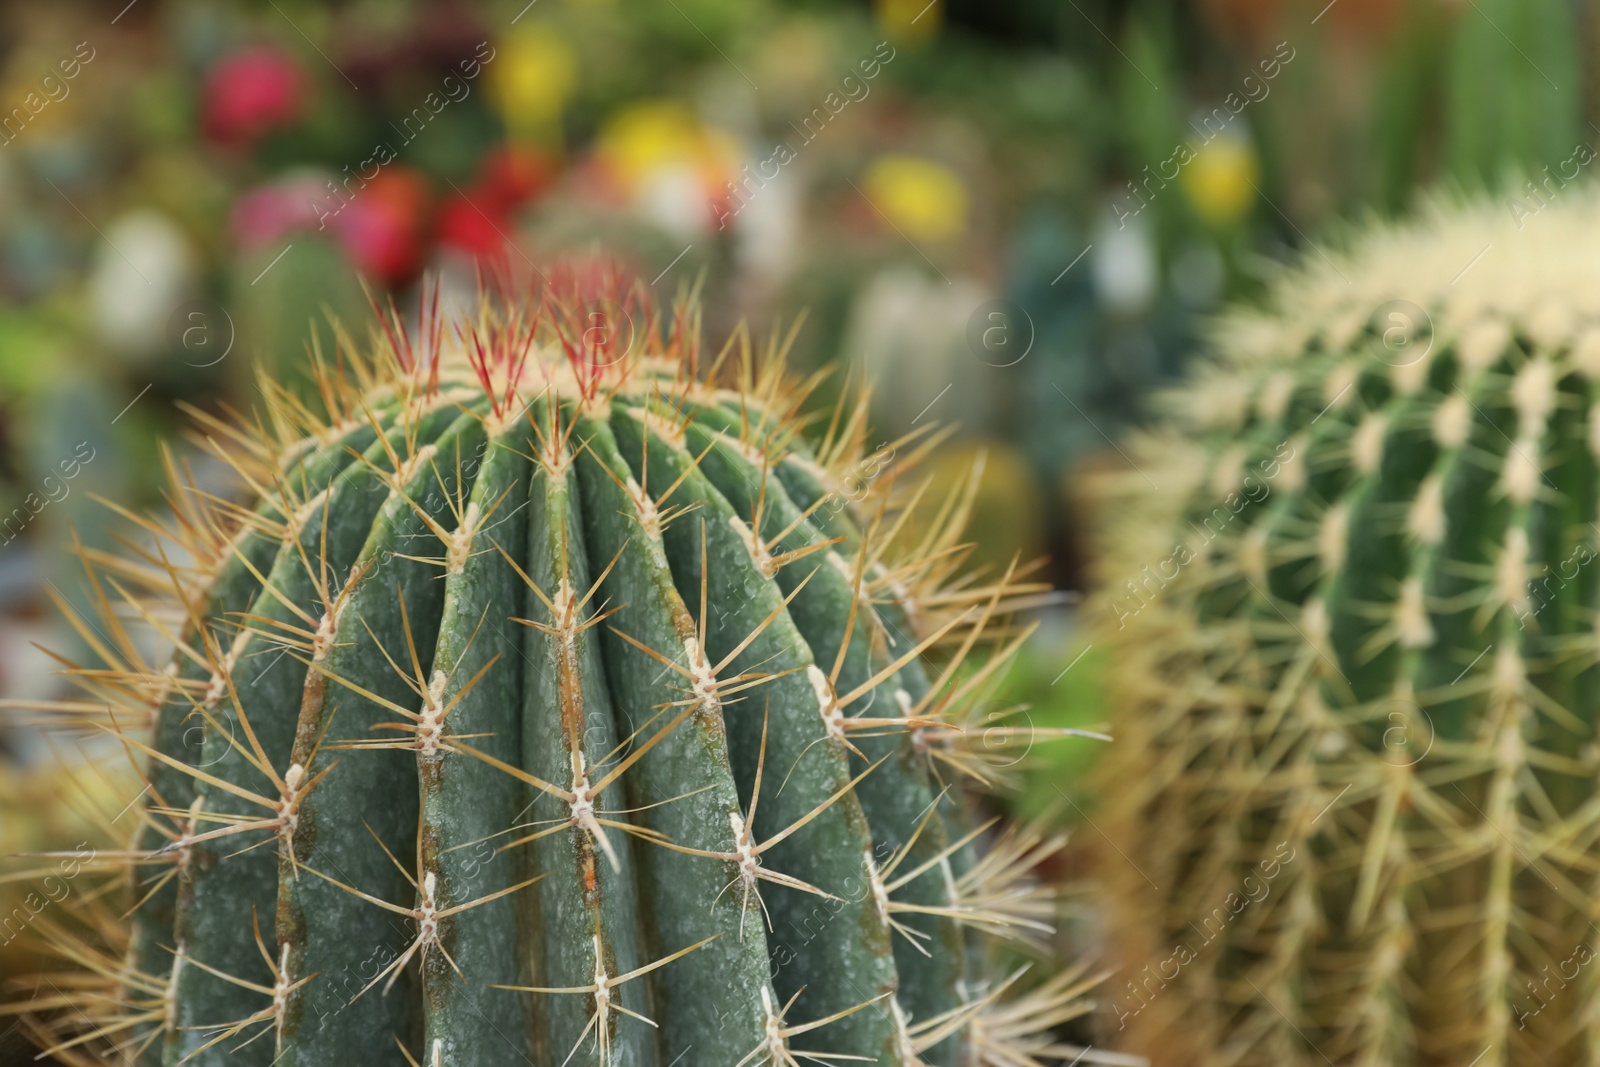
(555, 703)
(1353, 636)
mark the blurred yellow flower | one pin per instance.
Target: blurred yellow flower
(30, 108)
(673, 167)
(655, 134)
(926, 200)
(640, 137)
(1218, 182)
(531, 79)
(909, 21)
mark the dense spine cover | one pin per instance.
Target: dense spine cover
(554, 704)
(1354, 634)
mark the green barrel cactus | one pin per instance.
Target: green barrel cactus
(1355, 618)
(556, 703)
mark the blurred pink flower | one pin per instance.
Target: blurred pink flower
(381, 226)
(263, 215)
(251, 92)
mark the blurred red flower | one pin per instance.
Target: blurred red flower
(511, 176)
(249, 93)
(468, 227)
(382, 227)
(480, 219)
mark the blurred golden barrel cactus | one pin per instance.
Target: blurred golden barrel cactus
(1354, 627)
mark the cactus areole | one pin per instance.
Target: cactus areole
(553, 704)
(1356, 647)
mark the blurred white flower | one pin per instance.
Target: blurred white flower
(674, 198)
(141, 269)
(768, 225)
(1124, 261)
(910, 333)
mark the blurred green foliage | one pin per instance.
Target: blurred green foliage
(1059, 689)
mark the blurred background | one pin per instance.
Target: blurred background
(1015, 217)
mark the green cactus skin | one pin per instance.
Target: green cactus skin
(1355, 634)
(257, 695)
(552, 711)
(231, 592)
(898, 796)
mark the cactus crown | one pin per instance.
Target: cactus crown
(556, 702)
(1356, 670)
